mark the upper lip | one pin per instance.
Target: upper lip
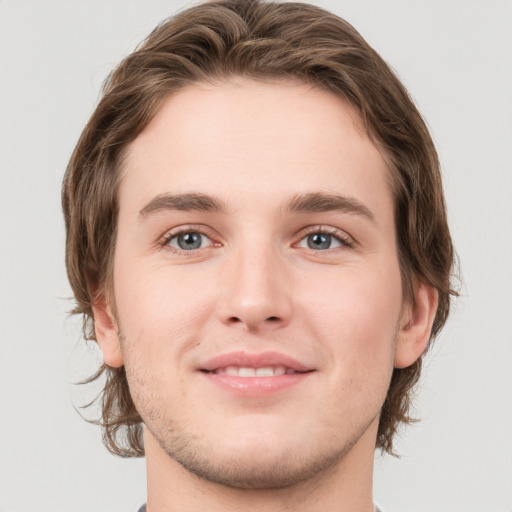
(248, 360)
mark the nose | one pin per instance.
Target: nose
(255, 292)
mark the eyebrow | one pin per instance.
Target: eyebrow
(185, 202)
(313, 202)
(322, 202)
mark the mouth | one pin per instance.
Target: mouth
(248, 371)
(255, 374)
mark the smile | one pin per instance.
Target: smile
(246, 371)
(259, 374)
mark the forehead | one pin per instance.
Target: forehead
(246, 139)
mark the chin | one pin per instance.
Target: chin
(252, 472)
(253, 462)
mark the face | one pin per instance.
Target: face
(256, 282)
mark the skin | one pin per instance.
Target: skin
(256, 285)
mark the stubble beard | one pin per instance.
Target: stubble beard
(289, 468)
(286, 469)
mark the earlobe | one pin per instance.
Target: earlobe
(416, 325)
(107, 333)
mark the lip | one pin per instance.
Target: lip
(255, 386)
(249, 360)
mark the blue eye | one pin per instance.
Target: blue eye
(320, 241)
(189, 241)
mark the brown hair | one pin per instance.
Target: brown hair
(262, 40)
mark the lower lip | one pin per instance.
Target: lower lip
(256, 386)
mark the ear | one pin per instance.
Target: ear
(107, 331)
(416, 325)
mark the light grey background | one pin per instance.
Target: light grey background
(455, 57)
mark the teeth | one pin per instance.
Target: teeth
(265, 371)
(246, 372)
(231, 370)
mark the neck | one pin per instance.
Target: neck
(345, 487)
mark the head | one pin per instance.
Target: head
(226, 45)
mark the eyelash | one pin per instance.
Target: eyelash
(346, 242)
(201, 230)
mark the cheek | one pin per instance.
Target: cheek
(159, 304)
(357, 316)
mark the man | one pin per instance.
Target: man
(257, 239)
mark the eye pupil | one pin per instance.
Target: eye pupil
(188, 241)
(319, 241)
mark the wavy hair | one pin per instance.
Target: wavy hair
(212, 42)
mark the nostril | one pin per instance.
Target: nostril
(254, 323)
